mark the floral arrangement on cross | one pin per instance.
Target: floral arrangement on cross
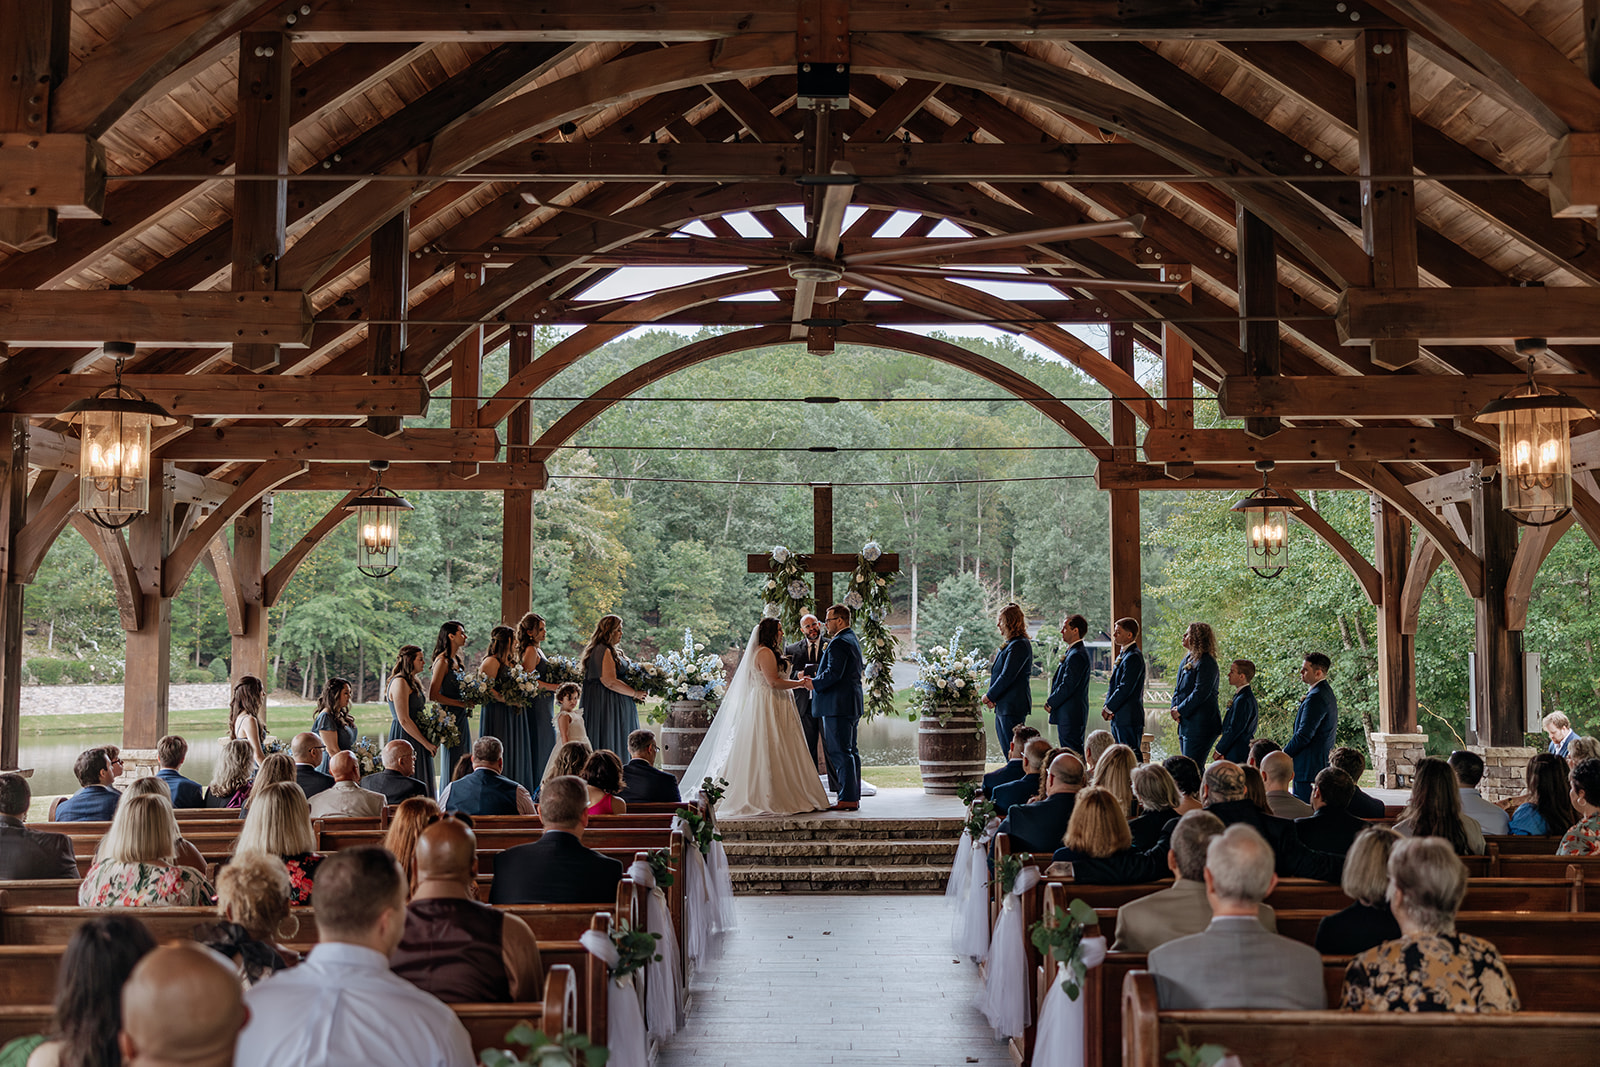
(789, 588)
(867, 595)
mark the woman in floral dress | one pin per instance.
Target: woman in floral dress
(136, 864)
(1584, 837)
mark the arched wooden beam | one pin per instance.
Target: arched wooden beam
(183, 557)
(1381, 480)
(1586, 503)
(277, 579)
(34, 539)
(219, 561)
(1365, 573)
(1425, 559)
(112, 548)
(1532, 550)
(585, 412)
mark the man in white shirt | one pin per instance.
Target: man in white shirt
(1469, 772)
(346, 798)
(343, 1004)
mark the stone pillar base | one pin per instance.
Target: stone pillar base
(1144, 747)
(1504, 771)
(1395, 756)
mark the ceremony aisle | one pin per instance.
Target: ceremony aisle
(836, 979)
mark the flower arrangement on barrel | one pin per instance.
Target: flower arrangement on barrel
(692, 673)
(947, 681)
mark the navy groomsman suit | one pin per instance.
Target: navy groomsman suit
(1068, 702)
(1194, 699)
(1239, 728)
(1125, 699)
(1312, 739)
(1009, 687)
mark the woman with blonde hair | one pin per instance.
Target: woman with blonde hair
(253, 904)
(136, 865)
(279, 824)
(1157, 795)
(1113, 772)
(1094, 747)
(411, 818)
(276, 768)
(1097, 830)
(1011, 674)
(610, 705)
(1368, 922)
(247, 714)
(186, 854)
(1194, 694)
(230, 778)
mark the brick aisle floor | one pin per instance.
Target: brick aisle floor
(836, 979)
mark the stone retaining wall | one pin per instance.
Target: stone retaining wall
(1503, 771)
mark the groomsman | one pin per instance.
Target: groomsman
(1314, 724)
(1125, 692)
(1239, 725)
(803, 657)
(1068, 702)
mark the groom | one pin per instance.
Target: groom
(836, 699)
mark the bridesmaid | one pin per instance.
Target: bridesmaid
(1194, 694)
(246, 710)
(406, 701)
(541, 714)
(510, 724)
(445, 687)
(610, 705)
(333, 722)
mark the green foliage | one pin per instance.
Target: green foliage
(198, 676)
(219, 669)
(1062, 939)
(579, 1050)
(1006, 869)
(959, 602)
(78, 671)
(1187, 1055)
(47, 671)
(636, 949)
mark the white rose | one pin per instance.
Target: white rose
(780, 554)
(772, 583)
(698, 647)
(943, 683)
(959, 683)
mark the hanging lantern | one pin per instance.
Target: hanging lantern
(1535, 445)
(377, 513)
(1266, 526)
(114, 455)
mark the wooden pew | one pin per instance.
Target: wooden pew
(1514, 933)
(60, 891)
(1522, 844)
(1296, 894)
(1550, 1039)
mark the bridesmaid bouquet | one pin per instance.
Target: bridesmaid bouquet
(561, 669)
(271, 743)
(438, 726)
(476, 688)
(514, 687)
(368, 754)
(645, 676)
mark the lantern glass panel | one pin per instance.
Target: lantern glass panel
(114, 466)
(1266, 534)
(1536, 459)
(378, 539)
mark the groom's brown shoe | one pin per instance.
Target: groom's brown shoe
(846, 805)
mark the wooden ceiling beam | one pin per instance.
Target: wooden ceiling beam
(234, 396)
(1388, 208)
(73, 317)
(1153, 476)
(1419, 396)
(259, 211)
(332, 444)
(1474, 316)
(1322, 445)
(420, 477)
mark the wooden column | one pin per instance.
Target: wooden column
(1388, 209)
(822, 540)
(1177, 356)
(252, 532)
(1258, 299)
(1397, 651)
(388, 291)
(13, 516)
(516, 530)
(149, 653)
(1497, 677)
(33, 59)
(466, 367)
(262, 147)
(1127, 579)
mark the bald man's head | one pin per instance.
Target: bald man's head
(345, 768)
(1277, 768)
(203, 1033)
(399, 756)
(307, 748)
(447, 851)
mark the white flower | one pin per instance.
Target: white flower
(780, 554)
(871, 551)
(772, 583)
(883, 581)
(943, 684)
(853, 600)
(698, 647)
(797, 589)
(959, 683)
(771, 610)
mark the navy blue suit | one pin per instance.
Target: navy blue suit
(1562, 747)
(1125, 700)
(186, 793)
(1039, 827)
(1194, 698)
(92, 803)
(1001, 775)
(1068, 702)
(836, 699)
(1018, 792)
(483, 792)
(1009, 676)
(1312, 739)
(1239, 728)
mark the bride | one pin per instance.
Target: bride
(755, 741)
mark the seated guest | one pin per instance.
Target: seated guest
(1239, 724)
(1435, 809)
(1040, 826)
(1330, 827)
(95, 770)
(1368, 922)
(1113, 771)
(171, 751)
(485, 791)
(1097, 829)
(1095, 746)
(453, 947)
(1157, 796)
(1582, 748)
(253, 902)
(1260, 748)
(1235, 963)
(1558, 728)
(1583, 839)
(308, 749)
(1352, 762)
(411, 818)
(1429, 967)
(1183, 908)
(1012, 769)
(344, 1002)
(277, 767)
(26, 853)
(230, 778)
(1255, 788)
(1548, 809)
(1022, 790)
(185, 853)
(397, 781)
(204, 1033)
(346, 799)
(1468, 767)
(602, 774)
(1277, 771)
(1186, 776)
(642, 783)
(557, 868)
(567, 761)
(279, 824)
(462, 768)
(136, 867)
(99, 957)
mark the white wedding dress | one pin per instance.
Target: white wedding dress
(756, 744)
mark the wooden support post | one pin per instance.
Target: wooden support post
(1177, 354)
(1397, 650)
(33, 55)
(1127, 579)
(261, 147)
(252, 532)
(388, 294)
(1258, 299)
(466, 366)
(822, 540)
(1497, 674)
(13, 516)
(1388, 208)
(516, 529)
(149, 651)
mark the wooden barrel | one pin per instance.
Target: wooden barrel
(951, 753)
(681, 734)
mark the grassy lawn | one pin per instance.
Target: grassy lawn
(285, 722)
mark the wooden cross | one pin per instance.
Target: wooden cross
(823, 561)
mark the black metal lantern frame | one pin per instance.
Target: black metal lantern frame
(377, 513)
(114, 456)
(1535, 425)
(1266, 526)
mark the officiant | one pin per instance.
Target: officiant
(803, 656)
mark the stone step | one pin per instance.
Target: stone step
(890, 878)
(839, 853)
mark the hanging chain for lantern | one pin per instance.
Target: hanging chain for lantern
(377, 513)
(114, 456)
(1535, 445)
(1266, 526)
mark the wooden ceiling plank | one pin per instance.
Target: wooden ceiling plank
(262, 147)
(420, 477)
(73, 317)
(1153, 476)
(894, 112)
(1293, 445)
(332, 444)
(1421, 396)
(1388, 208)
(219, 396)
(1447, 316)
(763, 125)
